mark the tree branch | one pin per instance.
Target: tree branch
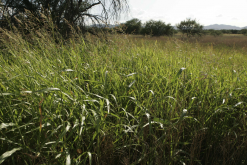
(89, 7)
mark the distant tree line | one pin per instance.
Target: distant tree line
(135, 26)
(214, 32)
(188, 27)
(151, 27)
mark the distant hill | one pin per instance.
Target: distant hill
(103, 25)
(214, 26)
(218, 27)
(222, 26)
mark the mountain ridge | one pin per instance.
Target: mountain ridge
(223, 26)
(213, 26)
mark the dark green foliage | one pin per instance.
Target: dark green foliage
(190, 28)
(243, 31)
(133, 26)
(64, 13)
(231, 31)
(157, 28)
(213, 32)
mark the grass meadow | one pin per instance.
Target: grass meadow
(126, 100)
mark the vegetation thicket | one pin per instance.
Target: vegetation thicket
(119, 101)
(133, 26)
(244, 32)
(157, 28)
(190, 27)
(63, 13)
(231, 31)
(151, 27)
(213, 32)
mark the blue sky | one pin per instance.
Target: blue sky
(206, 12)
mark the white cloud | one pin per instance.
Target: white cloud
(136, 12)
(145, 16)
(191, 16)
(175, 11)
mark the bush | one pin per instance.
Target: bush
(157, 28)
(190, 28)
(244, 31)
(215, 32)
(133, 26)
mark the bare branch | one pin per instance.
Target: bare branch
(89, 7)
(74, 11)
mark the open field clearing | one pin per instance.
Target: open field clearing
(231, 41)
(123, 101)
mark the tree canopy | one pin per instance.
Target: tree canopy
(76, 12)
(133, 26)
(190, 27)
(157, 28)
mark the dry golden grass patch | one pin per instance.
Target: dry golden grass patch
(230, 41)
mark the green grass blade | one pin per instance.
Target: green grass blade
(8, 154)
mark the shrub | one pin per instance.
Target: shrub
(157, 28)
(190, 28)
(133, 26)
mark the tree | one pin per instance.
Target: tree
(216, 33)
(244, 31)
(75, 12)
(190, 28)
(157, 28)
(133, 26)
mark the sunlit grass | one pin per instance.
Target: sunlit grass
(121, 101)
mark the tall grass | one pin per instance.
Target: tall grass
(121, 101)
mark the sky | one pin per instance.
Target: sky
(206, 12)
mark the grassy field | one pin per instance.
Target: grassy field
(238, 41)
(128, 100)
